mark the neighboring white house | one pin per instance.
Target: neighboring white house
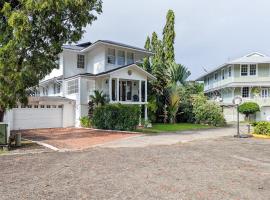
(247, 77)
(62, 97)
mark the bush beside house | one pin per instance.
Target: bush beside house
(262, 128)
(116, 117)
(206, 112)
(85, 122)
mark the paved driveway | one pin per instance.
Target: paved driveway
(172, 138)
(223, 168)
(72, 138)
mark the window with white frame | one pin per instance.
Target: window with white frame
(56, 88)
(264, 93)
(73, 86)
(216, 76)
(130, 58)
(245, 92)
(223, 74)
(80, 61)
(230, 71)
(111, 56)
(244, 70)
(121, 59)
(253, 70)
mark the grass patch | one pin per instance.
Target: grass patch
(160, 127)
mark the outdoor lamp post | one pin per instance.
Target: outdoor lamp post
(237, 101)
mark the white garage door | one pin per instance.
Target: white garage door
(31, 118)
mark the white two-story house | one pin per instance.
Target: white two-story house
(62, 97)
(247, 77)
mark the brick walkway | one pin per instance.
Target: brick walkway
(73, 138)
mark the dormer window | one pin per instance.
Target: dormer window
(111, 56)
(121, 58)
(130, 58)
(80, 61)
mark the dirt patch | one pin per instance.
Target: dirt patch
(73, 138)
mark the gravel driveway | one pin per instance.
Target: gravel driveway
(223, 168)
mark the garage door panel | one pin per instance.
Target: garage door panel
(29, 118)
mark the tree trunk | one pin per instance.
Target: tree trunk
(2, 112)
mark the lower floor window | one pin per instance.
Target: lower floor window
(245, 92)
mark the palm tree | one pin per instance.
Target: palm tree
(99, 99)
(173, 101)
(177, 73)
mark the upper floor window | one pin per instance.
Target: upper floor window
(252, 70)
(121, 58)
(216, 76)
(223, 74)
(245, 92)
(230, 71)
(56, 88)
(111, 56)
(244, 70)
(130, 58)
(73, 86)
(80, 61)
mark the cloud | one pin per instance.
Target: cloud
(208, 32)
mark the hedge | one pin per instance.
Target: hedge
(116, 117)
(262, 128)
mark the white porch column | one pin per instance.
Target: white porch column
(140, 91)
(110, 89)
(145, 86)
(145, 112)
(117, 90)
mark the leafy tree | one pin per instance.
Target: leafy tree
(187, 93)
(98, 98)
(32, 35)
(249, 108)
(178, 74)
(169, 37)
(146, 61)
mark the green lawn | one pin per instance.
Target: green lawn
(158, 128)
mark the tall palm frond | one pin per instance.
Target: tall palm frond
(98, 98)
(177, 73)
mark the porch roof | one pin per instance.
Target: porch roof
(150, 76)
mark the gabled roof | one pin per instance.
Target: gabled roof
(150, 76)
(88, 45)
(252, 58)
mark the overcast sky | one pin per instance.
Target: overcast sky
(208, 32)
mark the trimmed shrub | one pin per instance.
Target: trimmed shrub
(116, 117)
(262, 128)
(85, 122)
(249, 108)
(206, 112)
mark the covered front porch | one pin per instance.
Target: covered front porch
(124, 91)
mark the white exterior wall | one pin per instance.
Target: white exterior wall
(70, 64)
(56, 72)
(95, 60)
